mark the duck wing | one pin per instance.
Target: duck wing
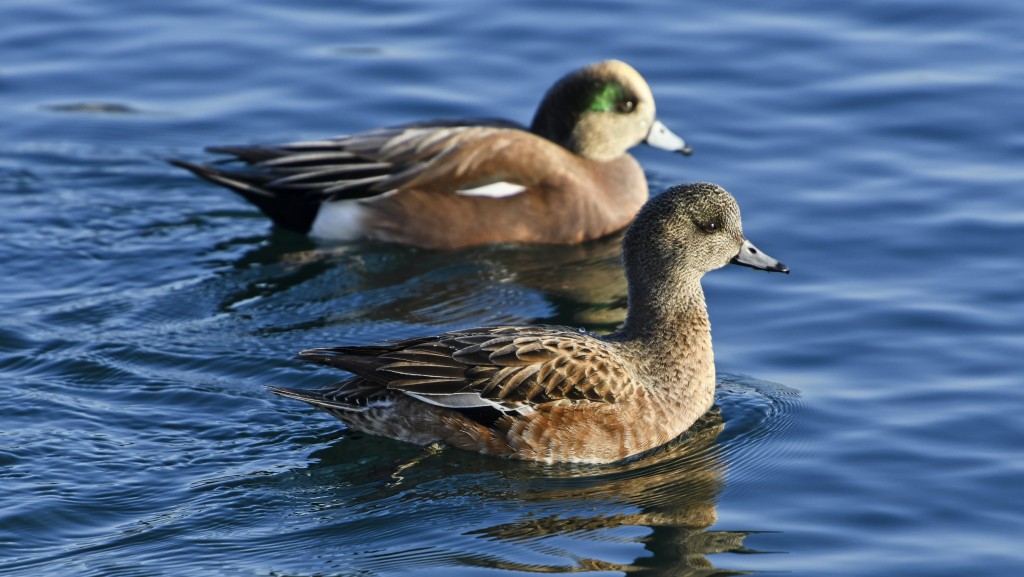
(509, 368)
(347, 167)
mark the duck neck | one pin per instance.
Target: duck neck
(670, 334)
(664, 315)
(553, 128)
(582, 135)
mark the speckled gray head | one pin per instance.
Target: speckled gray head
(689, 230)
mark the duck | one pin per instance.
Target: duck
(446, 185)
(555, 394)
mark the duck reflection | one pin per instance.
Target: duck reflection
(672, 492)
(583, 285)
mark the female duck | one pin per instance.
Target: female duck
(554, 394)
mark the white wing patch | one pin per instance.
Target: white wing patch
(455, 400)
(468, 401)
(339, 220)
(493, 190)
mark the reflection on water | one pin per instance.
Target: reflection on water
(586, 283)
(671, 493)
(582, 285)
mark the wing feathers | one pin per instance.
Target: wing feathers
(503, 367)
(420, 369)
(372, 163)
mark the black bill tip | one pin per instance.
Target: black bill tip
(749, 255)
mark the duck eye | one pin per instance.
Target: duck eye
(626, 105)
(710, 226)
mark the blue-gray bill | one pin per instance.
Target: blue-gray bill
(752, 256)
(661, 137)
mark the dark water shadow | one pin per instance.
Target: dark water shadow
(583, 285)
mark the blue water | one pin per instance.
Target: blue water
(869, 404)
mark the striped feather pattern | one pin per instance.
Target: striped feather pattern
(507, 365)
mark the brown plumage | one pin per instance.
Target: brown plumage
(446, 184)
(555, 394)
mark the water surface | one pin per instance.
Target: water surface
(868, 404)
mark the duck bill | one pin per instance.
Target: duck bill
(661, 137)
(752, 256)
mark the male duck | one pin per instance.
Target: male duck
(453, 184)
(555, 394)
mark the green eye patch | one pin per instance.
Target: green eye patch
(606, 99)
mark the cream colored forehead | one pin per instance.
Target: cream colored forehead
(625, 75)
